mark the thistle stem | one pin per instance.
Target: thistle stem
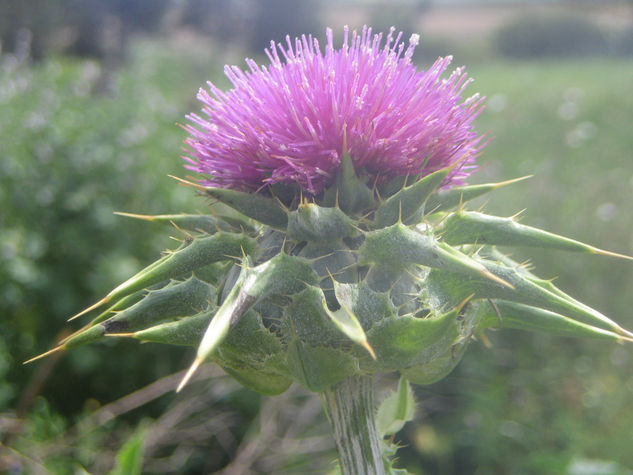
(350, 408)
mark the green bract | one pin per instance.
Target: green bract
(354, 281)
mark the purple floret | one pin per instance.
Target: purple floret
(292, 121)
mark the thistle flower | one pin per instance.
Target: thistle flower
(292, 122)
(370, 264)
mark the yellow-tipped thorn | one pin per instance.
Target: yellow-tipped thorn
(45, 354)
(460, 205)
(484, 339)
(92, 307)
(145, 217)
(197, 186)
(602, 252)
(188, 236)
(496, 309)
(129, 335)
(489, 275)
(517, 214)
(625, 333)
(365, 344)
(463, 303)
(482, 207)
(192, 369)
(512, 181)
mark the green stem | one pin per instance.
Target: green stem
(352, 414)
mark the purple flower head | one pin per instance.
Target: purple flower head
(292, 121)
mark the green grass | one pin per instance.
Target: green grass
(535, 404)
(569, 125)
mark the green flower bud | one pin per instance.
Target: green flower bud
(318, 291)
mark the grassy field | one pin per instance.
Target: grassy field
(79, 142)
(568, 124)
(531, 403)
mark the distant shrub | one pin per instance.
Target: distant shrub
(225, 20)
(624, 43)
(274, 19)
(74, 151)
(252, 24)
(536, 36)
(404, 17)
(93, 28)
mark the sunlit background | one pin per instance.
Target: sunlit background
(92, 93)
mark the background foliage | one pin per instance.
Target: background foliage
(83, 137)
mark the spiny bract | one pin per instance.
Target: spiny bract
(355, 280)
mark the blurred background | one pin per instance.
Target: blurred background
(91, 95)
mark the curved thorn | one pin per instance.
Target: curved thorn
(463, 303)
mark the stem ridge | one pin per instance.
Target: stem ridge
(351, 410)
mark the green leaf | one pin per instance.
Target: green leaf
(254, 356)
(446, 288)
(331, 258)
(214, 273)
(186, 331)
(198, 253)
(467, 227)
(129, 460)
(398, 340)
(396, 410)
(449, 198)
(306, 320)
(398, 246)
(283, 274)
(409, 200)
(349, 192)
(250, 343)
(398, 471)
(174, 300)
(504, 314)
(368, 306)
(311, 222)
(258, 207)
(434, 366)
(395, 184)
(203, 223)
(346, 321)
(121, 304)
(318, 368)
